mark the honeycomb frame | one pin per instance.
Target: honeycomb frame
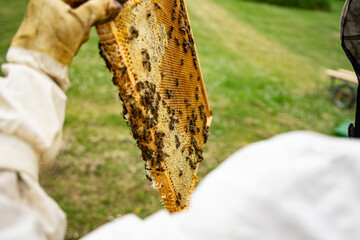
(151, 52)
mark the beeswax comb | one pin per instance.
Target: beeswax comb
(151, 52)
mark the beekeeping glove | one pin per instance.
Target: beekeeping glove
(32, 97)
(53, 28)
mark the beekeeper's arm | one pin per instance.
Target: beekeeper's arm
(32, 108)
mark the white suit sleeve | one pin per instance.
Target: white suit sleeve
(295, 186)
(32, 109)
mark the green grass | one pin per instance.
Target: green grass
(11, 15)
(263, 67)
(309, 4)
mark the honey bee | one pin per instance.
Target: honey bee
(134, 32)
(182, 6)
(160, 169)
(114, 81)
(177, 141)
(183, 30)
(193, 53)
(192, 165)
(169, 93)
(200, 156)
(146, 58)
(148, 178)
(159, 140)
(177, 41)
(147, 65)
(170, 32)
(203, 115)
(186, 45)
(195, 63)
(191, 150)
(157, 6)
(123, 71)
(206, 133)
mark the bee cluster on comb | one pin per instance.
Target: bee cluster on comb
(151, 52)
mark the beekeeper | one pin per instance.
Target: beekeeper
(297, 186)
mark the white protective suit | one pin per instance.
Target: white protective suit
(296, 186)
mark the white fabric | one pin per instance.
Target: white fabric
(18, 155)
(32, 110)
(41, 62)
(26, 211)
(298, 186)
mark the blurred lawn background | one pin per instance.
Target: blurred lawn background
(263, 67)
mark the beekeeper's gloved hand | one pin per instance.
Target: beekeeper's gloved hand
(32, 111)
(32, 105)
(54, 28)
